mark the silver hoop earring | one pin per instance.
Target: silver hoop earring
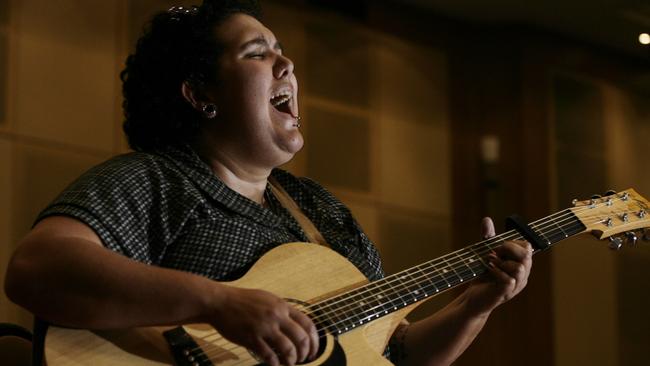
(209, 110)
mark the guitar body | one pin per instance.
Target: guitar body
(299, 272)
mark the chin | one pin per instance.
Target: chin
(290, 149)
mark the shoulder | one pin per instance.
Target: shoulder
(310, 194)
(127, 165)
(134, 171)
(130, 182)
(302, 185)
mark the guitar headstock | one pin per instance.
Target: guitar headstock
(616, 216)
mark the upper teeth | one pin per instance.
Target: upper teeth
(280, 97)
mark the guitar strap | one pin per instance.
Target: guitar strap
(308, 227)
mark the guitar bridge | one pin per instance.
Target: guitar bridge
(185, 350)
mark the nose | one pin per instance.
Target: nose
(283, 67)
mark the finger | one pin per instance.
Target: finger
(298, 336)
(266, 353)
(517, 250)
(284, 348)
(499, 274)
(513, 269)
(487, 228)
(308, 325)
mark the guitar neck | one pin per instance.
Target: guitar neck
(345, 312)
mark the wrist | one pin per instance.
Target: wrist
(472, 307)
(214, 298)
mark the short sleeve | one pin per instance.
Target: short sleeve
(125, 201)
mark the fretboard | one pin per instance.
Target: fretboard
(347, 311)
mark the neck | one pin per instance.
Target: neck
(358, 306)
(245, 179)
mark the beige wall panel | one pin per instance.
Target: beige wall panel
(627, 118)
(586, 308)
(367, 217)
(584, 271)
(339, 149)
(282, 21)
(40, 174)
(408, 240)
(6, 309)
(65, 75)
(412, 107)
(4, 75)
(344, 78)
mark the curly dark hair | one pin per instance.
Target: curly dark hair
(177, 46)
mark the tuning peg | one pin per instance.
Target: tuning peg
(574, 201)
(615, 243)
(610, 192)
(595, 196)
(631, 238)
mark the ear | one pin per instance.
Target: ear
(191, 95)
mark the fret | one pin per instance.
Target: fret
(368, 302)
(559, 227)
(434, 288)
(567, 227)
(415, 285)
(576, 226)
(410, 287)
(374, 300)
(453, 271)
(493, 243)
(398, 289)
(344, 313)
(485, 265)
(462, 260)
(548, 241)
(362, 303)
(440, 275)
(331, 315)
(383, 295)
(352, 317)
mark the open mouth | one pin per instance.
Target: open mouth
(282, 102)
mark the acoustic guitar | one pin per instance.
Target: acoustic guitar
(355, 318)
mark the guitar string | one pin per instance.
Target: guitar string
(390, 280)
(458, 254)
(464, 272)
(561, 230)
(244, 351)
(499, 238)
(415, 279)
(508, 237)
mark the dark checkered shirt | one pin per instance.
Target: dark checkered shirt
(168, 209)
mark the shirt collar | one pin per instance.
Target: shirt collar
(200, 173)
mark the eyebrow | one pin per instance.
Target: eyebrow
(261, 41)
